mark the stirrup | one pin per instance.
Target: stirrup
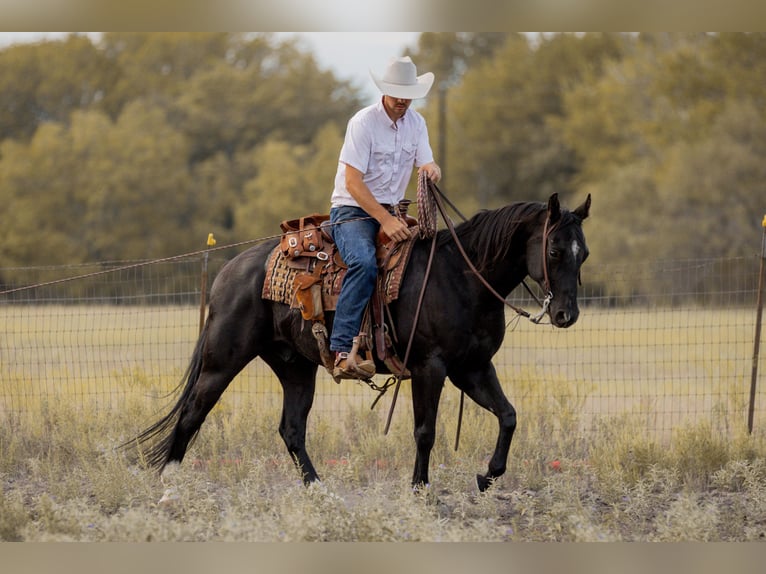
(346, 367)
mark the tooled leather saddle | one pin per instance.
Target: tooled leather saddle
(306, 271)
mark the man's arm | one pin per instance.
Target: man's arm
(392, 226)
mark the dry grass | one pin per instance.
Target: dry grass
(630, 428)
(63, 480)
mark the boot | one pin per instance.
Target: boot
(348, 366)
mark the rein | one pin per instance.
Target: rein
(428, 195)
(437, 195)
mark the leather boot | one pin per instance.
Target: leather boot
(346, 367)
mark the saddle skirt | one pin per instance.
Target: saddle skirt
(313, 284)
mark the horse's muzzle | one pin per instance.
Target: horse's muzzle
(565, 317)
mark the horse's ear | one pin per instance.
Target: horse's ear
(554, 208)
(583, 211)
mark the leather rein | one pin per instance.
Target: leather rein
(436, 193)
(428, 188)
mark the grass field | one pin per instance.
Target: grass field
(670, 366)
(631, 427)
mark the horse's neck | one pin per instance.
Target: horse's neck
(506, 276)
(508, 272)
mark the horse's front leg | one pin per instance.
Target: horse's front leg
(484, 388)
(427, 387)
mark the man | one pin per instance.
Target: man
(383, 142)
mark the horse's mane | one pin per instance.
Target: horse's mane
(488, 235)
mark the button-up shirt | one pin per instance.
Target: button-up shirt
(384, 151)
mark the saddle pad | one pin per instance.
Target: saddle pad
(278, 285)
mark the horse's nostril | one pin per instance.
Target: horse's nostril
(562, 318)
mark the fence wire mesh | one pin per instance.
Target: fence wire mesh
(667, 342)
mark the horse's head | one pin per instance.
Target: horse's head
(555, 254)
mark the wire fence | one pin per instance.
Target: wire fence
(669, 343)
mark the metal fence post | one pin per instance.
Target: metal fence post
(203, 282)
(757, 343)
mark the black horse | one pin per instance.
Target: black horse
(461, 327)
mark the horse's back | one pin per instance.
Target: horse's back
(246, 271)
(235, 304)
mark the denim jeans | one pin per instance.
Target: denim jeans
(356, 244)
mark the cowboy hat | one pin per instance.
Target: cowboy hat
(400, 80)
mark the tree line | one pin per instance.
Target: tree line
(137, 146)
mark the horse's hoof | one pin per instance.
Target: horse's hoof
(169, 471)
(425, 493)
(484, 482)
(169, 498)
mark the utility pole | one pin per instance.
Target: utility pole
(442, 104)
(757, 342)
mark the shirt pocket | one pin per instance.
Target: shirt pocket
(383, 156)
(409, 149)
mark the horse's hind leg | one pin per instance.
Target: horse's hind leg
(203, 394)
(224, 349)
(208, 389)
(484, 388)
(298, 378)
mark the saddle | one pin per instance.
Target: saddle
(306, 271)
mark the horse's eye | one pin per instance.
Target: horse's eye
(554, 253)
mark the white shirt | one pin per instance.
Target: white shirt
(385, 152)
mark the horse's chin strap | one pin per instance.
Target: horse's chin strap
(545, 303)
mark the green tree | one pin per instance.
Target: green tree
(139, 200)
(215, 182)
(228, 108)
(507, 112)
(713, 190)
(669, 128)
(140, 145)
(45, 82)
(156, 66)
(449, 54)
(291, 181)
(43, 205)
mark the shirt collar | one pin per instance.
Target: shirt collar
(394, 125)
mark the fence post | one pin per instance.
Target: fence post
(203, 282)
(757, 343)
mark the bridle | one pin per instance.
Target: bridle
(545, 303)
(434, 192)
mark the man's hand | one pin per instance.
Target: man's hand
(432, 170)
(395, 228)
(392, 226)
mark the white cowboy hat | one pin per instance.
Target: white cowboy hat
(400, 80)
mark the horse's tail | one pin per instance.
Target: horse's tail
(162, 434)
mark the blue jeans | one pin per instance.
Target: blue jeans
(356, 244)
